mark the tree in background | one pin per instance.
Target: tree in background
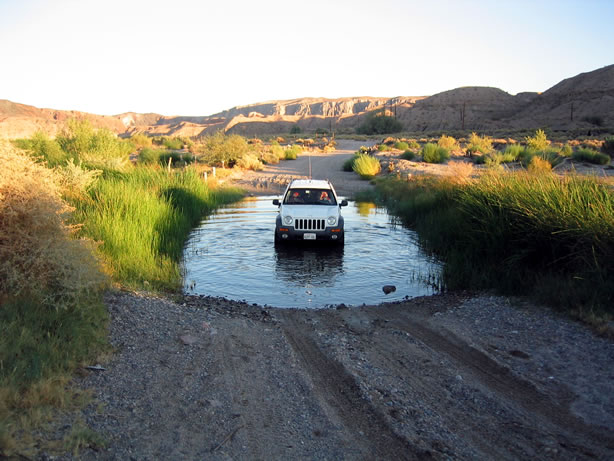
(379, 123)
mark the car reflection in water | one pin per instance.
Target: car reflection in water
(309, 265)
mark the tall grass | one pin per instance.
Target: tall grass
(142, 219)
(520, 233)
(591, 156)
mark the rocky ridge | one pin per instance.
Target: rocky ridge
(584, 103)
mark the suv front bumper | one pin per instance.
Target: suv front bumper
(289, 233)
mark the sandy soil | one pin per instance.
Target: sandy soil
(457, 376)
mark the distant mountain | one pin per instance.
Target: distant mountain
(20, 120)
(583, 102)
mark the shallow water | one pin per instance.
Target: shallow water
(232, 255)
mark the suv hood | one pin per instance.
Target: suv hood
(310, 211)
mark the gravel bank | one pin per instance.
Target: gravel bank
(439, 377)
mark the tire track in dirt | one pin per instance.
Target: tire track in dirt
(385, 350)
(335, 387)
(266, 403)
(501, 380)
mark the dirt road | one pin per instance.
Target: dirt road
(454, 376)
(273, 179)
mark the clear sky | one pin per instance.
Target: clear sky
(199, 57)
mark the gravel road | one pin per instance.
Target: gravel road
(273, 179)
(454, 376)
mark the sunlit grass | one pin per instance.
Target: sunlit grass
(142, 219)
(520, 233)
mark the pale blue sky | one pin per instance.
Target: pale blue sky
(185, 57)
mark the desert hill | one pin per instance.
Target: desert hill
(581, 103)
(20, 120)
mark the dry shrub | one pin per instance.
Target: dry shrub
(250, 162)
(75, 180)
(269, 157)
(447, 142)
(38, 255)
(539, 165)
(460, 172)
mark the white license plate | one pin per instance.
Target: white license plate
(309, 236)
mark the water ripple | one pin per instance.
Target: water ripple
(232, 254)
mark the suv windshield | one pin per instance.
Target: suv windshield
(309, 197)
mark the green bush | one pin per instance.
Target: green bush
(591, 156)
(292, 152)
(366, 166)
(165, 156)
(608, 146)
(513, 152)
(408, 155)
(383, 147)
(496, 158)
(223, 150)
(43, 148)
(538, 142)
(432, 153)
(566, 150)
(551, 155)
(149, 156)
(141, 140)
(401, 145)
(278, 151)
(479, 144)
(378, 123)
(295, 129)
(94, 148)
(447, 142)
(173, 143)
(348, 165)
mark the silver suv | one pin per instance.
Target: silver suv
(309, 211)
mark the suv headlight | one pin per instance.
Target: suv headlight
(287, 220)
(332, 220)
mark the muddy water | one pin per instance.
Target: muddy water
(232, 254)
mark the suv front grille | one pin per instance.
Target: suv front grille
(309, 224)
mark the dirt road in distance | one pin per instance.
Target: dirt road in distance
(273, 179)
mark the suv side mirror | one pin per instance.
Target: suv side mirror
(344, 203)
(276, 202)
